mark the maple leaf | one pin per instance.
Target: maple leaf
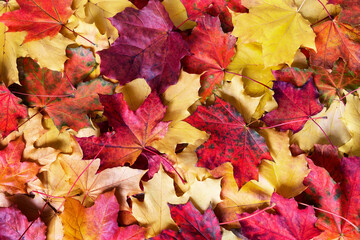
(12, 110)
(55, 94)
(335, 39)
(13, 223)
(132, 232)
(133, 131)
(193, 224)
(15, 174)
(296, 106)
(341, 199)
(350, 13)
(125, 179)
(289, 222)
(211, 58)
(197, 8)
(326, 122)
(145, 37)
(231, 140)
(39, 18)
(80, 222)
(153, 212)
(280, 33)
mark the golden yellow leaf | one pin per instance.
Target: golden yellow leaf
(49, 52)
(351, 119)
(135, 92)
(313, 11)
(154, 212)
(331, 124)
(178, 14)
(179, 97)
(280, 33)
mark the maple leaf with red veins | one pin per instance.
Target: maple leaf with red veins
(295, 106)
(14, 174)
(342, 199)
(333, 40)
(231, 140)
(39, 18)
(13, 223)
(289, 222)
(147, 47)
(193, 224)
(54, 91)
(212, 52)
(11, 111)
(197, 8)
(133, 132)
(296, 76)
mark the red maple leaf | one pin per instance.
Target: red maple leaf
(212, 51)
(289, 222)
(231, 140)
(133, 132)
(295, 106)
(193, 224)
(350, 12)
(147, 47)
(197, 8)
(132, 232)
(54, 91)
(39, 18)
(333, 40)
(342, 199)
(11, 111)
(13, 223)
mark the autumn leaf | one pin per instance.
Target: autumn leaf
(350, 13)
(15, 174)
(39, 18)
(296, 106)
(288, 222)
(145, 37)
(197, 8)
(194, 225)
(12, 111)
(335, 39)
(231, 140)
(55, 93)
(280, 33)
(13, 224)
(133, 131)
(80, 222)
(338, 199)
(211, 58)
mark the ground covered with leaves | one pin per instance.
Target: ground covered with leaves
(180, 119)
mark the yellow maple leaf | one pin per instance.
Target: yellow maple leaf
(330, 122)
(154, 212)
(280, 33)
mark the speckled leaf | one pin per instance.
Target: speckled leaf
(133, 232)
(339, 198)
(198, 8)
(296, 76)
(13, 224)
(350, 13)
(133, 132)
(295, 106)
(333, 40)
(11, 111)
(212, 51)
(288, 222)
(166, 234)
(230, 141)
(193, 224)
(146, 48)
(39, 18)
(54, 91)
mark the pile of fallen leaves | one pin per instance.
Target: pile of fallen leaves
(191, 119)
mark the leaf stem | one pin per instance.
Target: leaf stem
(331, 213)
(77, 34)
(293, 121)
(327, 137)
(251, 215)
(325, 10)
